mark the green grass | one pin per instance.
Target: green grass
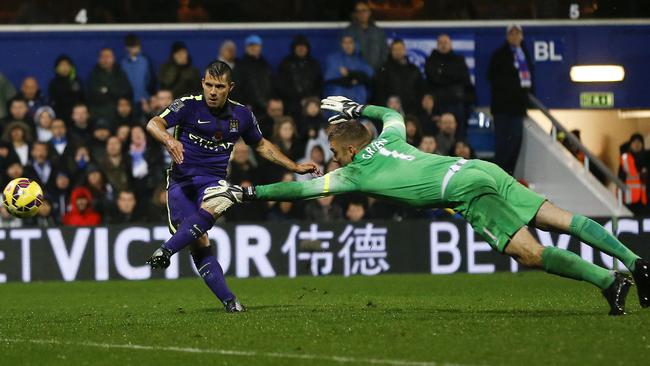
(500, 319)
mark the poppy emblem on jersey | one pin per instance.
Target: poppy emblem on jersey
(218, 135)
(234, 125)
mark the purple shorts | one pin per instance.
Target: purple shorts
(184, 197)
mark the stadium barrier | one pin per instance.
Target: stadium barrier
(280, 249)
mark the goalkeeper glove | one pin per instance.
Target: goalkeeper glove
(345, 107)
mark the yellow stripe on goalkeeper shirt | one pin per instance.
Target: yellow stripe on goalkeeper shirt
(326, 186)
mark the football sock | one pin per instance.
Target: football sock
(568, 264)
(590, 232)
(212, 274)
(191, 229)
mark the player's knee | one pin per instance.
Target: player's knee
(202, 242)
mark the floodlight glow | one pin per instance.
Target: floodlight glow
(597, 73)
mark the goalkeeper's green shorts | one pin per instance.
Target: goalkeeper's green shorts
(492, 201)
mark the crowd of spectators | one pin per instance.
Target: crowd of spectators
(83, 139)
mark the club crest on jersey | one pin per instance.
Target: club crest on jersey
(234, 125)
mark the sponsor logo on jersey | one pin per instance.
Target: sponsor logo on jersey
(234, 125)
(210, 145)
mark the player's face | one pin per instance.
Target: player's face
(342, 154)
(216, 90)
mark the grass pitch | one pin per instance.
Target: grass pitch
(500, 319)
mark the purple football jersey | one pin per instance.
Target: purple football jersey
(208, 138)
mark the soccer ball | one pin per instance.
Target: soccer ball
(22, 197)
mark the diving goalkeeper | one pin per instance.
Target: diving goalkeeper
(495, 204)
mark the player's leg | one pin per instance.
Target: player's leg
(212, 273)
(551, 217)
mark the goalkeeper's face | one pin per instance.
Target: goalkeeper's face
(216, 89)
(343, 153)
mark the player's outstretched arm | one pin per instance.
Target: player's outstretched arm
(347, 109)
(272, 153)
(331, 183)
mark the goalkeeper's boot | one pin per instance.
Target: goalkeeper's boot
(641, 276)
(616, 293)
(160, 258)
(234, 306)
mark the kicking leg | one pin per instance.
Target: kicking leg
(212, 273)
(527, 251)
(590, 232)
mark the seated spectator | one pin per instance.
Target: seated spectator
(123, 133)
(106, 84)
(285, 136)
(399, 77)
(81, 213)
(146, 162)
(347, 74)
(312, 120)
(428, 144)
(316, 155)
(356, 210)
(178, 74)
(7, 157)
(124, 112)
(463, 150)
(253, 76)
(323, 209)
(139, 70)
(78, 168)
(124, 211)
(633, 170)
(59, 196)
(446, 136)
(395, 103)
(60, 147)
(413, 134)
(156, 210)
(43, 119)
(274, 110)
(14, 170)
(283, 211)
(102, 192)
(81, 131)
(19, 137)
(164, 97)
(101, 133)
(228, 53)
(65, 89)
(429, 115)
(31, 92)
(116, 166)
(7, 92)
(18, 112)
(299, 75)
(242, 167)
(40, 168)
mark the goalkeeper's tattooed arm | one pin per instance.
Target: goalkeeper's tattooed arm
(332, 183)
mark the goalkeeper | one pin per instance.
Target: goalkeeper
(495, 204)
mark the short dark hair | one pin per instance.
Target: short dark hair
(131, 40)
(219, 68)
(351, 132)
(396, 41)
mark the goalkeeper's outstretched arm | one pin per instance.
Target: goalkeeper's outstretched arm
(393, 122)
(335, 182)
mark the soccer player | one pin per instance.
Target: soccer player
(494, 203)
(206, 127)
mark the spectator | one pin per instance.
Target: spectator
(97, 146)
(81, 213)
(633, 170)
(253, 76)
(65, 89)
(61, 148)
(446, 137)
(286, 137)
(80, 165)
(347, 74)
(116, 166)
(81, 131)
(18, 112)
(7, 157)
(463, 150)
(41, 168)
(19, 138)
(124, 111)
(228, 53)
(43, 119)
(14, 170)
(146, 162)
(7, 92)
(450, 82)
(242, 167)
(398, 76)
(413, 132)
(323, 209)
(124, 211)
(428, 144)
(312, 120)
(156, 211)
(299, 75)
(283, 211)
(317, 155)
(356, 210)
(102, 192)
(370, 38)
(106, 84)
(429, 115)
(31, 92)
(165, 98)
(59, 196)
(123, 133)
(511, 76)
(178, 74)
(274, 110)
(395, 103)
(138, 70)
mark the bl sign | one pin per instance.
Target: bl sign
(548, 51)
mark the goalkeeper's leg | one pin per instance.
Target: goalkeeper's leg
(527, 251)
(551, 217)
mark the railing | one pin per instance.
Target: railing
(589, 157)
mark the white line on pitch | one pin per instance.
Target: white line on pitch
(340, 359)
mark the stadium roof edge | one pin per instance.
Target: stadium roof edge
(312, 25)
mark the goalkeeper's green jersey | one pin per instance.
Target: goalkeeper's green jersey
(388, 167)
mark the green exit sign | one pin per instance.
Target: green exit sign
(597, 100)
